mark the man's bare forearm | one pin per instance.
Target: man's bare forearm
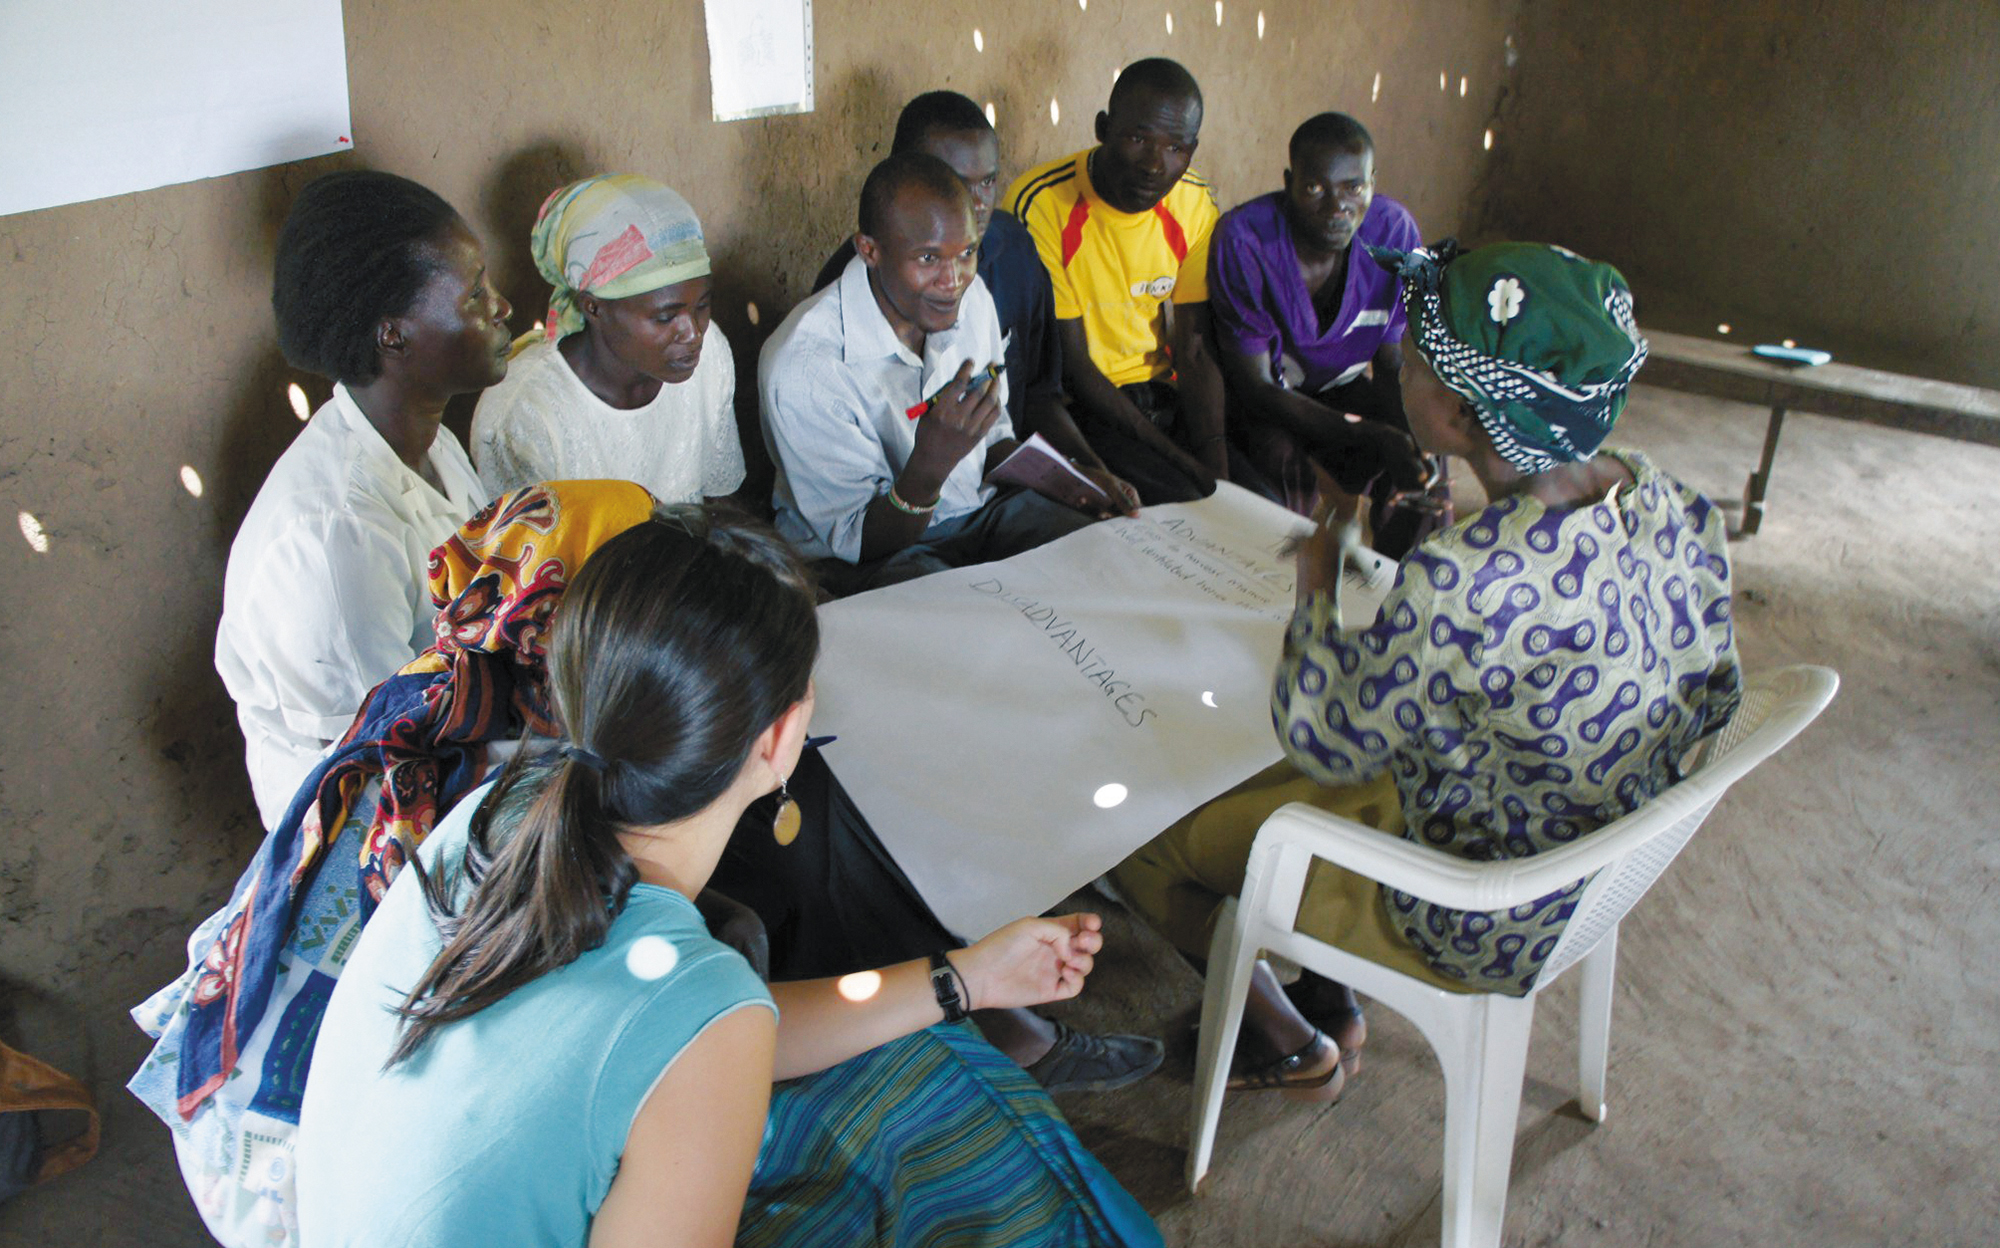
(887, 528)
(1201, 388)
(1307, 419)
(1314, 423)
(1048, 417)
(1388, 382)
(1092, 391)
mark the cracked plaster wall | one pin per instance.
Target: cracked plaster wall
(1823, 172)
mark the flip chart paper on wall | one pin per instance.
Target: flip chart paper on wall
(104, 97)
(981, 712)
(760, 57)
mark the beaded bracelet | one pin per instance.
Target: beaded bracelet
(911, 509)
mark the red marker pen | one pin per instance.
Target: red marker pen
(977, 380)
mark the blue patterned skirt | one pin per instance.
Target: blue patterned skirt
(938, 1140)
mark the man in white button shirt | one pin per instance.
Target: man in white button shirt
(880, 408)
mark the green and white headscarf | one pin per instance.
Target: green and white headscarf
(1538, 339)
(615, 235)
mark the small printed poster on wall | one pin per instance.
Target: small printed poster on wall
(105, 97)
(760, 57)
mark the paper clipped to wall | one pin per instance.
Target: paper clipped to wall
(116, 96)
(760, 57)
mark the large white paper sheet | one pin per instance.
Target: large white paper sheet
(104, 97)
(982, 712)
(760, 57)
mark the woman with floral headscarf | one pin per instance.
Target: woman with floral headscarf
(1537, 671)
(628, 378)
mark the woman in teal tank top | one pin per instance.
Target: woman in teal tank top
(536, 1039)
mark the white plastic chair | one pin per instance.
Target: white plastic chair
(1481, 1039)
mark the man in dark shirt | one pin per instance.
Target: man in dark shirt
(952, 128)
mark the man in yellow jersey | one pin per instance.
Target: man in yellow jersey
(1123, 230)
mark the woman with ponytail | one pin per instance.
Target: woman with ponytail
(536, 1040)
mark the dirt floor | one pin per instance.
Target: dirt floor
(1804, 1046)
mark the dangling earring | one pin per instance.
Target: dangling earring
(785, 825)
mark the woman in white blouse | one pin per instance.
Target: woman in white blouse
(629, 380)
(381, 287)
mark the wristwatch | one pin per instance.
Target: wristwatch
(944, 982)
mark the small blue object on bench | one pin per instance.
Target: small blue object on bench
(1725, 370)
(1792, 355)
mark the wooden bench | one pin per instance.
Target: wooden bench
(1727, 370)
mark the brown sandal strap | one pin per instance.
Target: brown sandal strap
(28, 1084)
(1289, 1071)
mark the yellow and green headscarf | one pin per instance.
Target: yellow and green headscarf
(1538, 339)
(615, 235)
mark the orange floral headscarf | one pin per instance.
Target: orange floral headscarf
(424, 730)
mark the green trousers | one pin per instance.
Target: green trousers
(1179, 879)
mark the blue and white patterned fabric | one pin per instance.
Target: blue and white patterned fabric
(1532, 676)
(235, 1149)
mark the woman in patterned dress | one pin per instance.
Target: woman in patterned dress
(1537, 671)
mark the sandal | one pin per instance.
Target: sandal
(1316, 1072)
(1333, 1009)
(1332, 1021)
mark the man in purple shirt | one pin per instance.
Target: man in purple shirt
(1310, 332)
